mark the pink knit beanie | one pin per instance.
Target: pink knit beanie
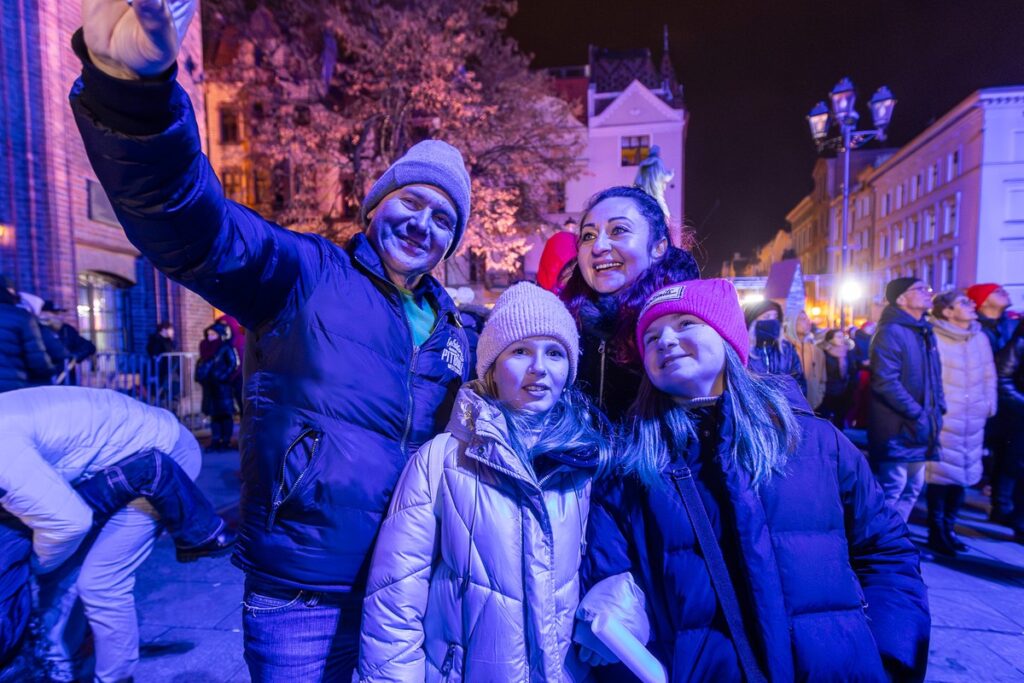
(525, 310)
(713, 301)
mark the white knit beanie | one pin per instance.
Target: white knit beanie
(525, 310)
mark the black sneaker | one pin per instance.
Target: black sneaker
(218, 545)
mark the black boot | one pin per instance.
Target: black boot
(938, 540)
(954, 501)
(219, 544)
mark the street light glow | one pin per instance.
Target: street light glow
(850, 291)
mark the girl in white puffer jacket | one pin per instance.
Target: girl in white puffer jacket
(475, 575)
(969, 384)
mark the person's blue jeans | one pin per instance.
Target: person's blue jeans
(294, 636)
(184, 511)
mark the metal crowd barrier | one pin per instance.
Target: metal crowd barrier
(164, 381)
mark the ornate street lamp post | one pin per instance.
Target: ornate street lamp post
(844, 117)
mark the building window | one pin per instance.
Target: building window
(915, 186)
(926, 273)
(897, 240)
(100, 209)
(946, 274)
(953, 165)
(913, 230)
(899, 196)
(230, 133)
(886, 204)
(635, 149)
(233, 182)
(949, 226)
(929, 225)
(910, 235)
(104, 313)
(554, 198)
(883, 245)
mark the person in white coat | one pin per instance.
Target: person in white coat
(969, 384)
(73, 461)
(475, 575)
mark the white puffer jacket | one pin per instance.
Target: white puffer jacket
(54, 436)
(480, 581)
(969, 384)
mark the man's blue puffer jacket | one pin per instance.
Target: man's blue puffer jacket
(336, 396)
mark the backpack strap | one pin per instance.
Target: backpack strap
(708, 544)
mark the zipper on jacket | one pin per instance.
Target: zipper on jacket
(600, 386)
(449, 660)
(408, 390)
(278, 500)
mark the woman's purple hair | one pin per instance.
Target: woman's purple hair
(675, 265)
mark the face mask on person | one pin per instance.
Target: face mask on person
(767, 331)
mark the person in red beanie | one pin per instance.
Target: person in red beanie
(744, 538)
(559, 251)
(992, 303)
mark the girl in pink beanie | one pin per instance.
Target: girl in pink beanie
(475, 575)
(747, 538)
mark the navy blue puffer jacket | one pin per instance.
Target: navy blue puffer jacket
(337, 398)
(23, 358)
(828, 578)
(907, 403)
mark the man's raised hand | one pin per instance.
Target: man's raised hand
(137, 40)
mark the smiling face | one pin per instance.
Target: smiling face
(411, 229)
(684, 357)
(614, 248)
(530, 374)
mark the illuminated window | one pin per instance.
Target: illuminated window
(233, 182)
(104, 314)
(949, 226)
(929, 225)
(635, 149)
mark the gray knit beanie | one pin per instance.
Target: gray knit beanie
(431, 162)
(525, 310)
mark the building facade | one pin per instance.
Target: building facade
(59, 238)
(630, 104)
(949, 205)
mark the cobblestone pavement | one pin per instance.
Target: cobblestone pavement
(190, 617)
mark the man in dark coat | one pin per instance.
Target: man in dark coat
(23, 357)
(907, 403)
(353, 355)
(1010, 370)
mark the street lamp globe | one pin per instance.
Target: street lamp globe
(843, 98)
(818, 121)
(881, 105)
(850, 291)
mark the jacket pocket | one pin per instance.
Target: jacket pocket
(297, 470)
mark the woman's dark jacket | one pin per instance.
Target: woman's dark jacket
(905, 414)
(828, 576)
(23, 358)
(214, 373)
(840, 381)
(337, 397)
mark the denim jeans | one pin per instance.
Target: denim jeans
(902, 483)
(294, 636)
(185, 512)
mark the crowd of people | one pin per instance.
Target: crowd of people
(627, 447)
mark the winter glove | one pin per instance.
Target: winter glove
(135, 40)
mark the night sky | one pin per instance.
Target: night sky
(752, 70)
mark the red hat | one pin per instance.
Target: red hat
(558, 251)
(978, 293)
(713, 301)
